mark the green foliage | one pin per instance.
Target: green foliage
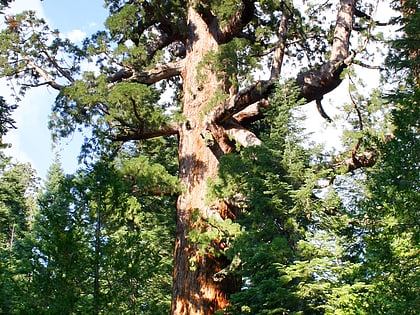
(95, 246)
(389, 214)
(101, 239)
(128, 20)
(392, 233)
(292, 258)
(17, 210)
(126, 110)
(33, 45)
(6, 121)
(150, 178)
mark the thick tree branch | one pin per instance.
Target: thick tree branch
(364, 159)
(342, 30)
(164, 40)
(151, 76)
(159, 73)
(251, 94)
(281, 48)
(241, 135)
(251, 113)
(317, 82)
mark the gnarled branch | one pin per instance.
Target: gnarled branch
(313, 83)
(48, 80)
(151, 76)
(364, 159)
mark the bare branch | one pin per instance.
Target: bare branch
(241, 135)
(365, 65)
(322, 111)
(151, 76)
(279, 51)
(359, 116)
(44, 75)
(366, 16)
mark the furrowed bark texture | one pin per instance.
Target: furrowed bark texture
(195, 291)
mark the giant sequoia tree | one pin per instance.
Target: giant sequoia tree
(207, 52)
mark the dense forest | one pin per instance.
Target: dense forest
(216, 199)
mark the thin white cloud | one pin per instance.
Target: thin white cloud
(76, 35)
(26, 5)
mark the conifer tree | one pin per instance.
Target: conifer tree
(17, 210)
(207, 52)
(390, 215)
(96, 247)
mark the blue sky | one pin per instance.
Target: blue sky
(31, 142)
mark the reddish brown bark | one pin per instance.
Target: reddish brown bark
(195, 291)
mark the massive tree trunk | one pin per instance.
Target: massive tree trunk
(195, 291)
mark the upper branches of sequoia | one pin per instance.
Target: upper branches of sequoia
(146, 42)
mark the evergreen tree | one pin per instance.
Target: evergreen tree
(60, 251)
(97, 248)
(6, 121)
(207, 52)
(17, 211)
(391, 212)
